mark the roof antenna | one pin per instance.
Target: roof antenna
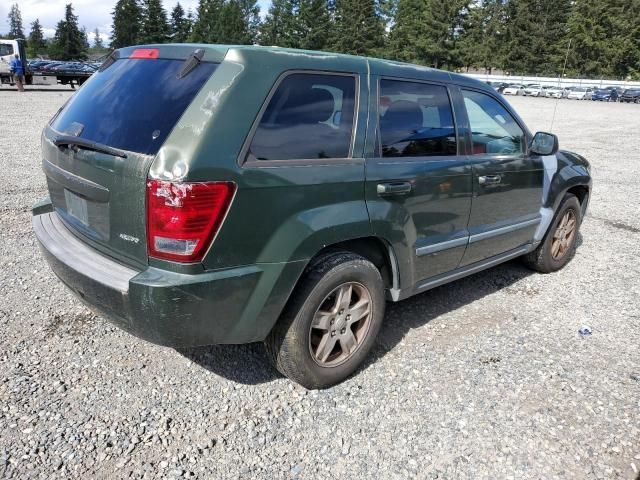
(555, 108)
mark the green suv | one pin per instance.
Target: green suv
(208, 194)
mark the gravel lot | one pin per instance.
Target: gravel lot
(484, 378)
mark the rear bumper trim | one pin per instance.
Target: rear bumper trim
(56, 238)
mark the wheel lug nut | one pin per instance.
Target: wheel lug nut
(333, 333)
(341, 312)
(342, 331)
(333, 320)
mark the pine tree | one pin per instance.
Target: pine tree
(206, 26)
(155, 28)
(180, 25)
(98, 43)
(69, 42)
(605, 38)
(315, 24)
(409, 31)
(280, 26)
(232, 28)
(15, 23)
(251, 18)
(37, 45)
(427, 31)
(359, 29)
(127, 18)
(481, 39)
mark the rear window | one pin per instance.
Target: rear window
(133, 104)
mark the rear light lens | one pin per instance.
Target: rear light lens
(183, 218)
(145, 53)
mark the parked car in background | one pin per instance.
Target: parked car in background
(630, 95)
(557, 92)
(513, 89)
(605, 95)
(533, 91)
(498, 86)
(220, 236)
(580, 93)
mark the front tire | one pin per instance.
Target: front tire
(330, 322)
(559, 244)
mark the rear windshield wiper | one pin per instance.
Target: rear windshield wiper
(70, 140)
(191, 63)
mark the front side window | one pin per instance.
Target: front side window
(493, 129)
(309, 116)
(415, 120)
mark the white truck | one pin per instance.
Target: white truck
(52, 76)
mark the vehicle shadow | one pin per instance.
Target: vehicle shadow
(419, 310)
(249, 364)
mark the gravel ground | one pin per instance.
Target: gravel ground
(484, 378)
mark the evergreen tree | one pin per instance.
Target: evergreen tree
(605, 38)
(37, 44)
(127, 18)
(155, 28)
(180, 25)
(359, 29)
(15, 23)
(206, 26)
(409, 32)
(251, 19)
(69, 42)
(279, 27)
(482, 37)
(98, 43)
(536, 36)
(315, 24)
(427, 31)
(232, 28)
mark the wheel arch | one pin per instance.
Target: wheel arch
(375, 249)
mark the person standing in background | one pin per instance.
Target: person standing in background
(17, 68)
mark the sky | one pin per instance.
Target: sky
(91, 14)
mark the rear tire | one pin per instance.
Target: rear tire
(330, 322)
(559, 244)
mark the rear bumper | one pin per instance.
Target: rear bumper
(238, 305)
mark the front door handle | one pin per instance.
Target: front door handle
(394, 188)
(489, 179)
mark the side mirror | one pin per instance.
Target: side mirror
(544, 144)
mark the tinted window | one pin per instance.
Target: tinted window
(133, 104)
(493, 129)
(415, 120)
(6, 49)
(309, 116)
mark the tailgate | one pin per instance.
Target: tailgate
(98, 150)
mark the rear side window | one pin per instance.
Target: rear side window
(133, 104)
(415, 120)
(6, 49)
(309, 116)
(493, 129)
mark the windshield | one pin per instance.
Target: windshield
(132, 105)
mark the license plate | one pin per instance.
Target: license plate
(76, 207)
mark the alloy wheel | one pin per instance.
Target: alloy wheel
(564, 234)
(340, 324)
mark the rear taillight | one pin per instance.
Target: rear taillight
(183, 218)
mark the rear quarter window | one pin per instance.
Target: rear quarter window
(309, 116)
(133, 104)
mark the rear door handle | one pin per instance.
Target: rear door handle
(394, 188)
(489, 179)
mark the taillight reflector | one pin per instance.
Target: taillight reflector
(183, 218)
(145, 53)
